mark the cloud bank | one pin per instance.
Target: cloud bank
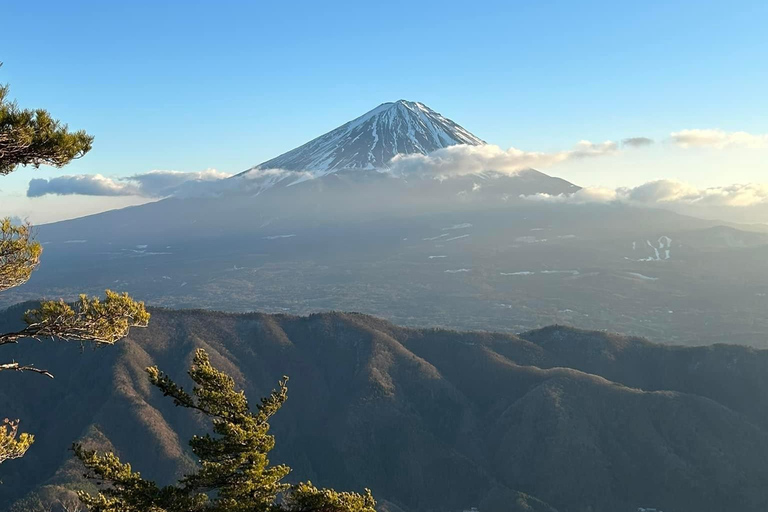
(666, 192)
(458, 160)
(465, 159)
(718, 139)
(670, 191)
(451, 161)
(153, 184)
(86, 184)
(271, 176)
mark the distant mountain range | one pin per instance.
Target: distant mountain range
(555, 419)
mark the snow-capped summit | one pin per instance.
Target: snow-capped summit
(370, 141)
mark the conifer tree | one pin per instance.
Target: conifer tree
(234, 472)
(34, 138)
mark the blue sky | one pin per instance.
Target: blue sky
(195, 85)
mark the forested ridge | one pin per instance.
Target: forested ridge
(429, 419)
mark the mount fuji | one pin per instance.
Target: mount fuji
(354, 161)
(342, 175)
(373, 139)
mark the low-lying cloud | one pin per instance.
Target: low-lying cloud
(444, 163)
(666, 192)
(670, 191)
(465, 159)
(582, 196)
(271, 176)
(718, 139)
(84, 184)
(153, 184)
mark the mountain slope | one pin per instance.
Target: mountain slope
(370, 141)
(429, 419)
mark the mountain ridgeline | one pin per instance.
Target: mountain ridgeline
(555, 419)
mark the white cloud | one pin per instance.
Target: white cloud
(276, 175)
(156, 184)
(84, 184)
(670, 191)
(149, 184)
(166, 183)
(718, 139)
(582, 196)
(667, 192)
(466, 159)
(661, 191)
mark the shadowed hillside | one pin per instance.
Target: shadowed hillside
(429, 419)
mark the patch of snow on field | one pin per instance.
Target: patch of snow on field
(140, 253)
(458, 226)
(655, 249)
(544, 272)
(662, 249)
(529, 239)
(643, 277)
(435, 237)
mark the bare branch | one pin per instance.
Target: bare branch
(26, 368)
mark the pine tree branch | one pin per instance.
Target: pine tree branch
(89, 320)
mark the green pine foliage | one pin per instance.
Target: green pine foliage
(19, 254)
(95, 320)
(34, 138)
(13, 444)
(234, 473)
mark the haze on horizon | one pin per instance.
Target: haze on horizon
(192, 91)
